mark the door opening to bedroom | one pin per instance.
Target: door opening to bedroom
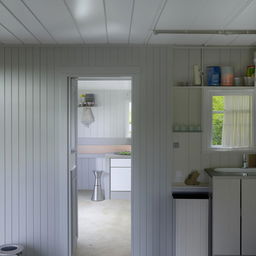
(102, 178)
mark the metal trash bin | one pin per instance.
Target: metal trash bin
(98, 194)
(11, 249)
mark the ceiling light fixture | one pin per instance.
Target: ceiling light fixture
(204, 32)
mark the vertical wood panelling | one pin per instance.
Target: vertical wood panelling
(2, 146)
(156, 142)
(109, 113)
(85, 176)
(85, 172)
(37, 140)
(15, 144)
(51, 154)
(43, 150)
(33, 131)
(29, 153)
(187, 110)
(8, 145)
(22, 147)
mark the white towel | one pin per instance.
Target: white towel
(87, 116)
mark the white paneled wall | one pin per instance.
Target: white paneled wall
(29, 192)
(187, 109)
(111, 115)
(33, 136)
(85, 166)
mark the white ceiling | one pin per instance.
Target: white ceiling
(124, 21)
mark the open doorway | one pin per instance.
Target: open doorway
(104, 131)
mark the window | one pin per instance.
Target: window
(228, 119)
(217, 120)
(128, 119)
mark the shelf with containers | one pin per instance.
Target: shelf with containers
(187, 90)
(187, 102)
(216, 87)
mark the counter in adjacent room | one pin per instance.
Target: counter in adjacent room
(118, 176)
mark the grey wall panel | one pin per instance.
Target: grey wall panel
(111, 115)
(33, 130)
(22, 147)
(85, 176)
(33, 138)
(2, 146)
(8, 147)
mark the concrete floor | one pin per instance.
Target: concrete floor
(104, 227)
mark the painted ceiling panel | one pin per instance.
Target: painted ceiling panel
(179, 39)
(15, 27)
(221, 39)
(124, 21)
(179, 14)
(25, 16)
(145, 12)
(7, 38)
(246, 19)
(90, 17)
(218, 13)
(54, 15)
(119, 14)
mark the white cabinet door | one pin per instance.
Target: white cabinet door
(191, 227)
(226, 216)
(120, 179)
(249, 216)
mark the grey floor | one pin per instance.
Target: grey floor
(104, 227)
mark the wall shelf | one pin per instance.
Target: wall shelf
(215, 87)
(187, 131)
(189, 86)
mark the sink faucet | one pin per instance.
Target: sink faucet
(245, 164)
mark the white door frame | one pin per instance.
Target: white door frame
(63, 73)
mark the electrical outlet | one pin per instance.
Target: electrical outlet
(176, 144)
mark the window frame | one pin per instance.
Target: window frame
(207, 116)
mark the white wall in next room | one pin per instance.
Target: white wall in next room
(111, 115)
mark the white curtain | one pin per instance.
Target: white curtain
(238, 121)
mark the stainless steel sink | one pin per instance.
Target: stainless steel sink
(237, 170)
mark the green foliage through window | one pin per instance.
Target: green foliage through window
(217, 119)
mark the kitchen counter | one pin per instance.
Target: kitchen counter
(182, 187)
(117, 156)
(212, 173)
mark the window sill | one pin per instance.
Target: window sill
(212, 149)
